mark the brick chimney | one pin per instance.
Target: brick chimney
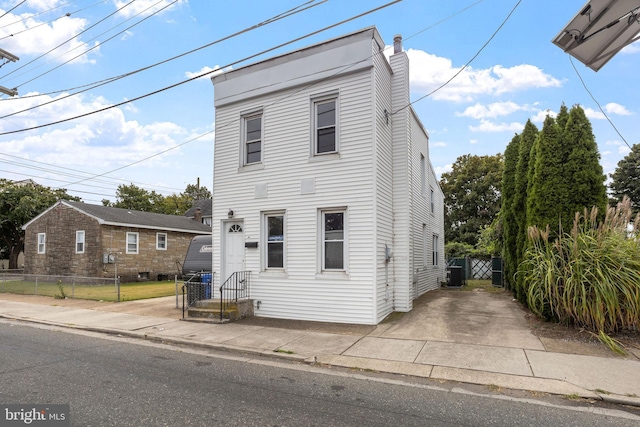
(197, 215)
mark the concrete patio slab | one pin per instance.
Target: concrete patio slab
(467, 318)
(386, 348)
(477, 357)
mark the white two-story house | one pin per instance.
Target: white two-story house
(323, 188)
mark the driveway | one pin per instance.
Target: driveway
(455, 315)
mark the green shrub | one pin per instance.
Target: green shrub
(589, 277)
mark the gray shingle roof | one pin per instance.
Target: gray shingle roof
(204, 205)
(131, 218)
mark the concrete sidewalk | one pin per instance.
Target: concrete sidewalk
(480, 349)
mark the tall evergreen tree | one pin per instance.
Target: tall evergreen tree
(549, 200)
(626, 179)
(583, 169)
(527, 142)
(510, 225)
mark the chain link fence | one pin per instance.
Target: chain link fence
(92, 288)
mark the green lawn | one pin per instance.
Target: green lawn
(106, 292)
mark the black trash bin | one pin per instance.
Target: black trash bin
(454, 272)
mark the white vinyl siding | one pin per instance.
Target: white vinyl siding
(42, 243)
(80, 241)
(161, 241)
(303, 292)
(132, 243)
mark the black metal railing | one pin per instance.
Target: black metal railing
(237, 286)
(197, 288)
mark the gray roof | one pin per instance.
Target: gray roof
(204, 205)
(130, 218)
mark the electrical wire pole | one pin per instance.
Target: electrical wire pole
(8, 57)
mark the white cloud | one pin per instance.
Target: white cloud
(594, 114)
(614, 108)
(541, 115)
(208, 71)
(438, 144)
(473, 141)
(623, 149)
(42, 37)
(488, 126)
(632, 48)
(104, 140)
(144, 7)
(493, 110)
(428, 72)
(439, 170)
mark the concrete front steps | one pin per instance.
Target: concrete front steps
(209, 311)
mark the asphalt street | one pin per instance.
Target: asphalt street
(111, 381)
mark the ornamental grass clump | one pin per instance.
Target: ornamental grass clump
(589, 277)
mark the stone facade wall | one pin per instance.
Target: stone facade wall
(60, 258)
(149, 262)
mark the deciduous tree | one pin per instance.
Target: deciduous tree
(471, 196)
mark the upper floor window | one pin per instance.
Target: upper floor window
(132, 243)
(433, 201)
(80, 241)
(42, 240)
(423, 175)
(161, 241)
(333, 240)
(435, 255)
(325, 125)
(252, 138)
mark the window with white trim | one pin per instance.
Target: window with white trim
(252, 138)
(79, 241)
(275, 238)
(433, 201)
(333, 240)
(42, 243)
(325, 125)
(423, 175)
(132, 243)
(425, 247)
(435, 256)
(161, 241)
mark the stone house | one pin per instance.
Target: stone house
(84, 240)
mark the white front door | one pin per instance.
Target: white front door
(233, 249)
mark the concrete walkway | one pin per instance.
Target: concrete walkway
(473, 337)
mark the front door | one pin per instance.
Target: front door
(233, 249)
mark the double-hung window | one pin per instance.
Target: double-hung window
(275, 228)
(161, 241)
(433, 201)
(132, 243)
(435, 255)
(80, 241)
(42, 242)
(252, 138)
(325, 125)
(333, 239)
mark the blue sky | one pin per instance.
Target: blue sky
(164, 140)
